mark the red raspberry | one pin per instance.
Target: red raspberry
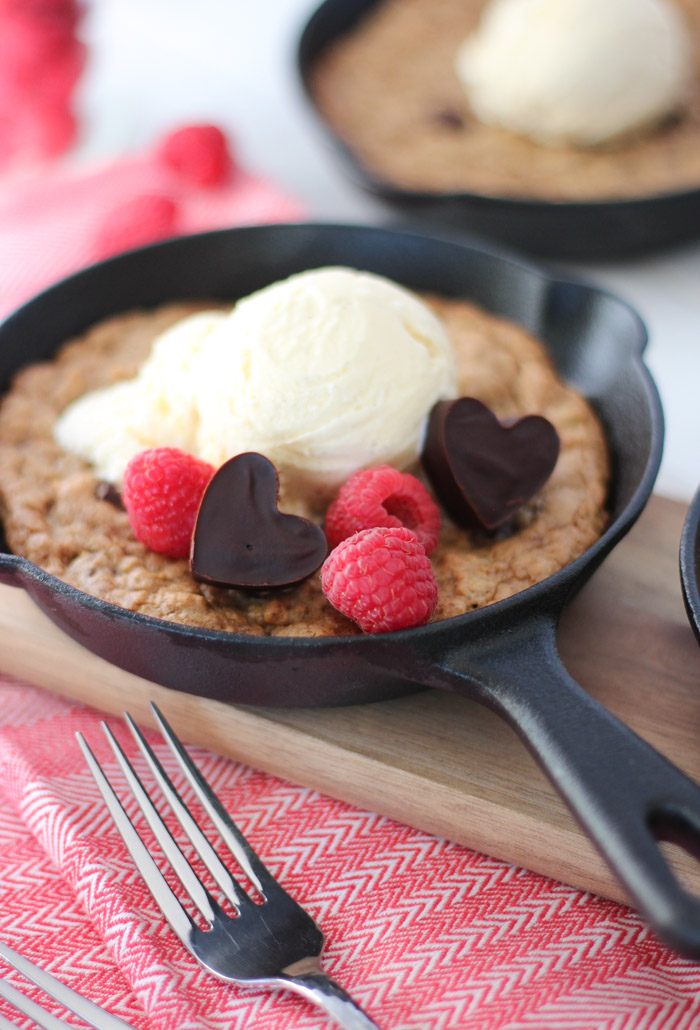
(138, 221)
(49, 13)
(382, 579)
(383, 496)
(199, 153)
(30, 45)
(162, 490)
(53, 84)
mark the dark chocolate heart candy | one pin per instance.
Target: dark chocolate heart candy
(242, 539)
(484, 470)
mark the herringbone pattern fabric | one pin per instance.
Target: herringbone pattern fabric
(428, 935)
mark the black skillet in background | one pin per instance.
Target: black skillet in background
(690, 563)
(625, 794)
(566, 230)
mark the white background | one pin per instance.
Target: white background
(157, 64)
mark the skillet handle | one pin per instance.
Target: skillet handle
(624, 793)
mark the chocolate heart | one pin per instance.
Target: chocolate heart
(242, 539)
(484, 470)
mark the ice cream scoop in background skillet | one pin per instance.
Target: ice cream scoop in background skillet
(626, 796)
(690, 563)
(585, 230)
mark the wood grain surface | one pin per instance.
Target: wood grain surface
(435, 761)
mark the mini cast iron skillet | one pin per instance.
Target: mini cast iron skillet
(567, 230)
(625, 795)
(690, 563)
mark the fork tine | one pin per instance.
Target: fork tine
(175, 914)
(181, 866)
(226, 881)
(93, 1014)
(28, 1008)
(253, 866)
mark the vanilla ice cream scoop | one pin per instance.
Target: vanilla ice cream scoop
(331, 370)
(580, 72)
(324, 373)
(158, 408)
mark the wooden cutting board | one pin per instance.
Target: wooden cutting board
(435, 761)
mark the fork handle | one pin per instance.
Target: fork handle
(330, 996)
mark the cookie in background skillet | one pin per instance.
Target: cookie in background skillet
(626, 795)
(690, 563)
(567, 128)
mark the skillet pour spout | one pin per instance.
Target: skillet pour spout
(625, 795)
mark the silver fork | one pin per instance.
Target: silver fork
(275, 943)
(93, 1014)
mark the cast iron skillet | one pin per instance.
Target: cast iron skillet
(690, 563)
(625, 795)
(567, 230)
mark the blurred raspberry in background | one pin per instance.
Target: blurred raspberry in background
(199, 153)
(41, 60)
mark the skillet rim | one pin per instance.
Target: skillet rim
(689, 561)
(559, 584)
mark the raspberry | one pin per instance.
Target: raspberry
(138, 221)
(199, 153)
(382, 579)
(53, 84)
(383, 496)
(32, 45)
(162, 490)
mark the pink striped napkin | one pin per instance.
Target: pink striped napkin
(50, 225)
(426, 934)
